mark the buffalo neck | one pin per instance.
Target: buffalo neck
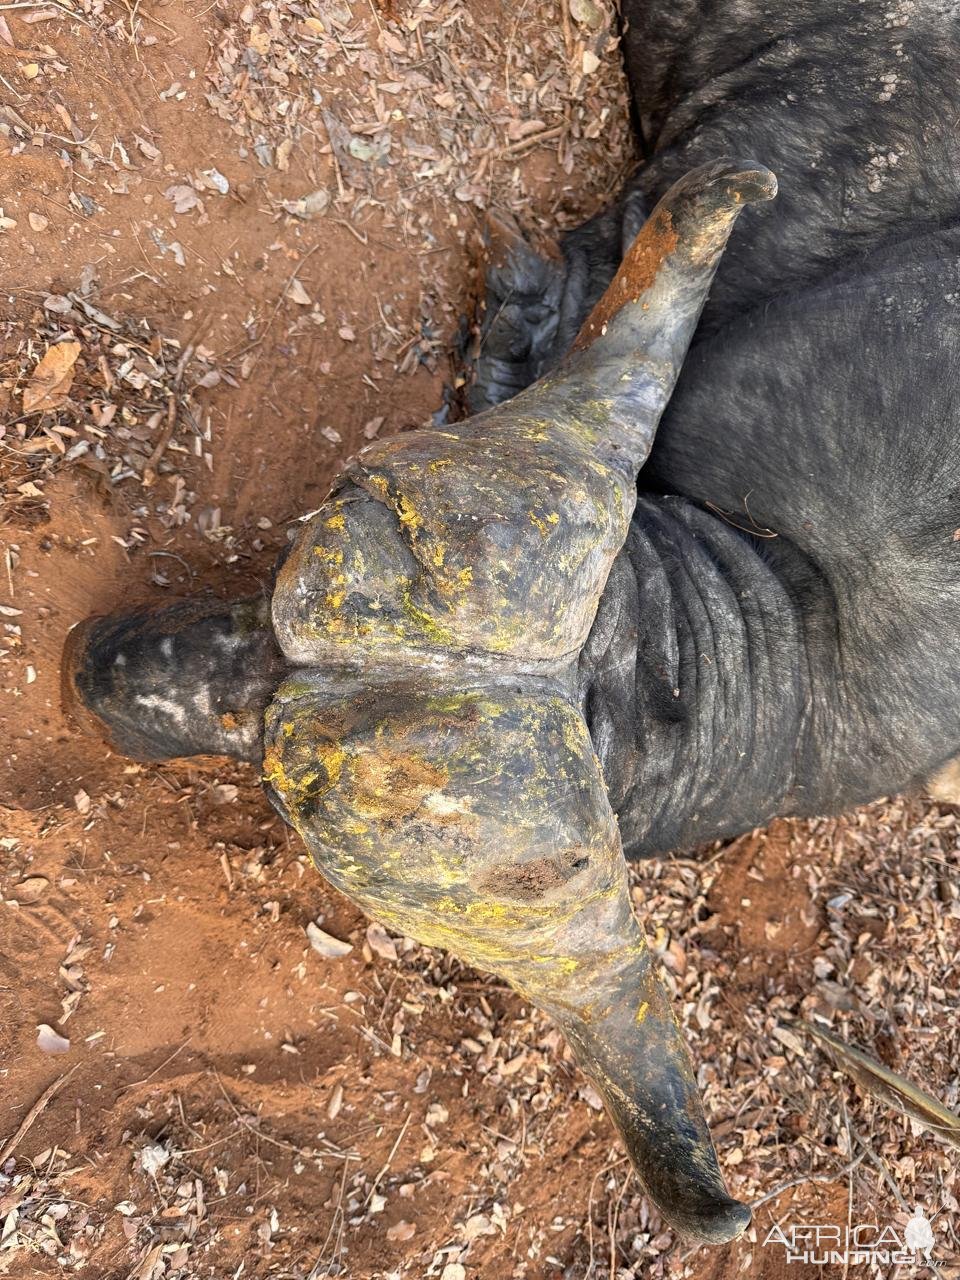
(694, 680)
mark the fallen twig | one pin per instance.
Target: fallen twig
(166, 1062)
(888, 1087)
(393, 1151)
(49, 1093)
(805, 1178)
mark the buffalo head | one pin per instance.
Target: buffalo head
(411, 691)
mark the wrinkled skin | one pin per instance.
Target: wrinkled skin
(503, 659)
(781, 634)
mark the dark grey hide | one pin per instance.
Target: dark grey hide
(781, 634)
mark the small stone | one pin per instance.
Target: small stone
(50, 1041)
(380, 942)
(29, 890)
(329, 947)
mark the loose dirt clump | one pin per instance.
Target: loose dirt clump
(237, 241)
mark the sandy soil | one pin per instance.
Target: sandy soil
(231, 1102)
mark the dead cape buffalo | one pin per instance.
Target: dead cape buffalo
(495, 658)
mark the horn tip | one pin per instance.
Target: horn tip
(752, 185)
(715, 1222)
(728, 182)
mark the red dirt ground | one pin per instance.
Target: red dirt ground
(236, 1104)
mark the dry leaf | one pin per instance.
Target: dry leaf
(335, 1103)
(146, 148)
(216, 181)
(259, 41)
(148, 1264)
(57, 303)
(51, 1041)
(478, 1225)
(50, 385)
(586, 13)
(184, 198)
(308, 206)
(298, 294)
(789, 1038)
(325, 945)
(153, 1157)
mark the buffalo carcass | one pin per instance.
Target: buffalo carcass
(784, 634)
(490, 658)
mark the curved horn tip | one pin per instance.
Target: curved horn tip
(752, 185)
(716, 1221)
(734, 181)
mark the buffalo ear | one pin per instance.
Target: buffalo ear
(521, 313)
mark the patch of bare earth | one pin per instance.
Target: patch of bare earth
(237, 240)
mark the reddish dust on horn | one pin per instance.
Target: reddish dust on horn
(637, 273)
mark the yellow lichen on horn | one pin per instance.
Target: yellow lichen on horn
(494, 537)
(477, 821)
(435, 761)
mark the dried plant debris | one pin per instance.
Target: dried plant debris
(853, 922)
(38, 1216)
(429, 99)
(418, 108)
(108, 394)
(889, 1087)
